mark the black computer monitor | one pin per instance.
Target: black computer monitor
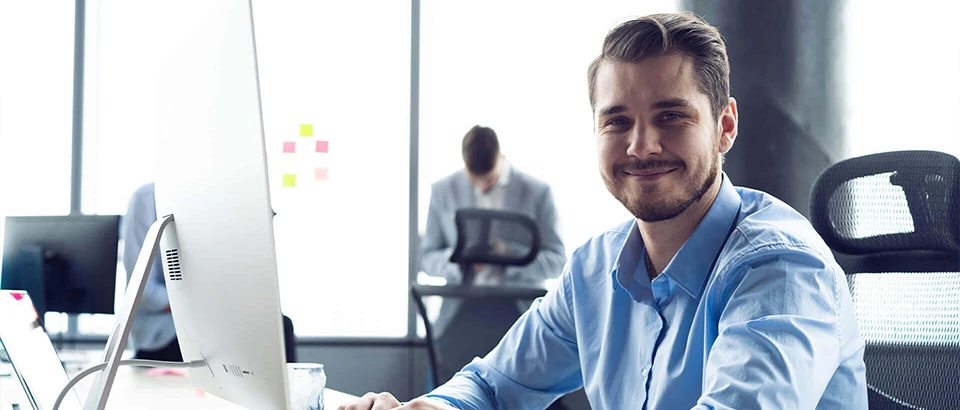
(68, 263)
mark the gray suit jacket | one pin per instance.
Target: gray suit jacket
(524, 194)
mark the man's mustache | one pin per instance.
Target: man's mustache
(641, 165)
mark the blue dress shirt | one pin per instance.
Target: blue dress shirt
(152, 327)
(758, 319)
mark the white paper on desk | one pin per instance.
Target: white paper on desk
(31, 353)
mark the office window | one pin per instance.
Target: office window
(119, 124)
(520, 68)
(36, 107)
(903, 77)
(120, 96)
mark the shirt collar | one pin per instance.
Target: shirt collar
(502, 180)
(689, 266)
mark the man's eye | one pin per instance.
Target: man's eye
(667, 116)
(617, 121)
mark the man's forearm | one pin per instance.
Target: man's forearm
(437, 263)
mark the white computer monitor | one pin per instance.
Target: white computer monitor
(211, 175)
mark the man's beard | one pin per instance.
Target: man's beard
(645, 209)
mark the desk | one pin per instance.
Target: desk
(133, 388)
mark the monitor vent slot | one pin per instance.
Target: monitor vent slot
(236, 370)
(172, 260)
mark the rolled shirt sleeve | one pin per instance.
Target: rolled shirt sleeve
(535, 363)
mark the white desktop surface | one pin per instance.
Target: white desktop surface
(133, 388)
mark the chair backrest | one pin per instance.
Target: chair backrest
(893, 222)
(495, 237)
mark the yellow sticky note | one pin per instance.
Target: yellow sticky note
(306, 130)
(289, 180)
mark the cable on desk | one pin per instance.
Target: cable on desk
(133, 362)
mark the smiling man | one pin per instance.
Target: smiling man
(713, 297)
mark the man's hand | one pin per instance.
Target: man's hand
(386, 401)
(500, 247)
(421, 403)
(373, 401)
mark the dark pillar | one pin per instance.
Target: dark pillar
(785, 61)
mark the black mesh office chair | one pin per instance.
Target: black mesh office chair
(893, 221)
(490, 237)
(493, 237)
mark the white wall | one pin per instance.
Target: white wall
(903, 76)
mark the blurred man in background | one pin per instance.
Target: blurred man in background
(488, 181)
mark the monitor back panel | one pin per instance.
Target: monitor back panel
(212, 176)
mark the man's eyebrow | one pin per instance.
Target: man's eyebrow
(616, 109)
(671, 103)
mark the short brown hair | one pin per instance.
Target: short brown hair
(658, 34)
(481, 148)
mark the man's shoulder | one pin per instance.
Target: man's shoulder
(143, 199)
(527, 179)
(769, 224)
(145, 191)
(448, 182)
(141, 210)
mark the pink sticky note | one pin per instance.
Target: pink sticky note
(323, 146)
(321, 174)
(289, 147)
(165, 371)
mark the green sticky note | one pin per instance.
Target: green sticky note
(306, 130)
(289, 180)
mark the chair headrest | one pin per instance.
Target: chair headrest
(495, 237)
(892, 201)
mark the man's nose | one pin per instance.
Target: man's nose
(643, 141)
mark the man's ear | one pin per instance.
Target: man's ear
(728, 126)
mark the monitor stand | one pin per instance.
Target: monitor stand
(100, 390)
